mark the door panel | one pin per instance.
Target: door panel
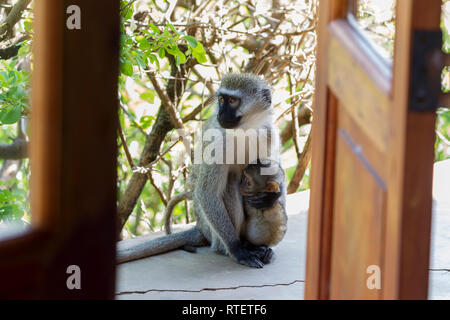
(353, 250)
(372, 162)
(364, 142)
(365, 97)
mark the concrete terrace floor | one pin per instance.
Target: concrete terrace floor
(206, 275)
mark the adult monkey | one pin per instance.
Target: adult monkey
(243, 102)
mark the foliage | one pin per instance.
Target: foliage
(13, 95)
(442, 143)
(15, 76)
(141, 47)
(14, 87)
(14, 202)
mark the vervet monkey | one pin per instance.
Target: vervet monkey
(243, 102)
(264, 206)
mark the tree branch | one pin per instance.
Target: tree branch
(137, 181)
(198, 109)
(125, 146)
(168, 105)
(158, 190)
(301, 166)
(163, 124)
(304, 117)
(14, 151)
(12, 18)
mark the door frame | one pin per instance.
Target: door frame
(73, 158)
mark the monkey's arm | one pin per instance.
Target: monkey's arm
(212, 182)
(263, 200)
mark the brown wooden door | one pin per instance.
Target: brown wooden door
(372, 161)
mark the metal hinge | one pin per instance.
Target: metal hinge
(427, 66)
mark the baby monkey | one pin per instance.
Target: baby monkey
(264, 193)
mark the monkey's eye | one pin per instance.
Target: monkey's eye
(221, 101)
(234, 102)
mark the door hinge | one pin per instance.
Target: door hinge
(427, 65)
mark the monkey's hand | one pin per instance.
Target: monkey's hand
(263, 200)
(246, 257)
(263, 253)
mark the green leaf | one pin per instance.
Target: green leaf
(191, 40)
(173, 50)
(173, 29)
(127, 13)
(144, 45)
(199, 48)
(199, 53)
(161, 52)
(5, 211)
(154, 28)
(201, 58)
(127, 68)
(148, 96)
(166, 33)
(5, 195)
(181, 57)
(143, 42)
(153, 59)
(28, 25)
(146, 121)
(10, 115)
(141, 62)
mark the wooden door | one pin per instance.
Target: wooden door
(73, 158)
(370, 204)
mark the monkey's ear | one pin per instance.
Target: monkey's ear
(267, 95)
(272, 186)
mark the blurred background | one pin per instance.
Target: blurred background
(174, 53)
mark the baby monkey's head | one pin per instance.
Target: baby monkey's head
(254, 182)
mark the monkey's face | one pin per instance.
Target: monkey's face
(227, 116)
(248, 185)
(243, 101)
(253, 182)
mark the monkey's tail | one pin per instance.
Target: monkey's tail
(191, 237)
(171, 205)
